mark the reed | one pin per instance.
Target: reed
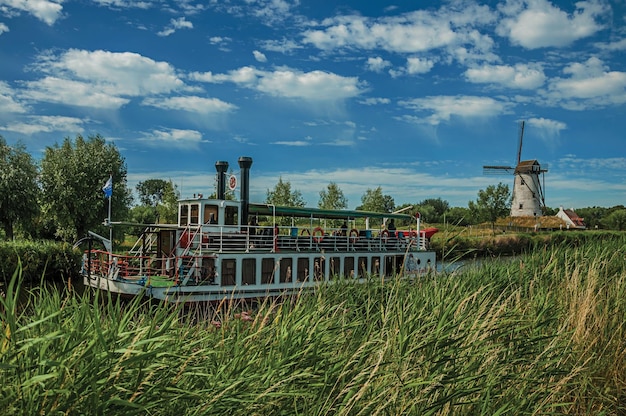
(542, 334)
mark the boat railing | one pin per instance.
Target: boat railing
(214, 238)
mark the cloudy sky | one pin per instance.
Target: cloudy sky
(412, 98)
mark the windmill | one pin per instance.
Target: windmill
(528, 195)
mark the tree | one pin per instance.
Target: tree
(492, 203)
(332, 198)
(459, 216)
(435, 208)
(72, 177)
(282, 195)
(374, 200)
(18, 188)
(162, 196)
(616, 220)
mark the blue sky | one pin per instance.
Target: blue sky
(414, 97)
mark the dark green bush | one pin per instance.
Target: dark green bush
(52, 261)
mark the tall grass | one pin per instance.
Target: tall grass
(541, 335)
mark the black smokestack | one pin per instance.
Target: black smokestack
(244, 164)
(221, 168)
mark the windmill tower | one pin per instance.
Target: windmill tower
(528, 196)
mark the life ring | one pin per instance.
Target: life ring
(384, 235)
(316, 231)
(354, 235)
(305, 230)
(413, 234)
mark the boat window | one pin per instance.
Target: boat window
(303, 269)
(184, 214)
(208, 211)
(335, 267)
(195, 214)
(348, 267)
(375, 266)
(248, 275)
(228, 272)
(362, 267)
(268, 267)
(286, 267)
(319, 267)
(231, 215)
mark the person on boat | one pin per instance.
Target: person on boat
(212, 219)
(344, 229)
(392, 226)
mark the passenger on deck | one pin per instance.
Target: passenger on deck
(344, 229)
(212, 219)
(392, 226)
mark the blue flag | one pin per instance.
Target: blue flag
(108, 187)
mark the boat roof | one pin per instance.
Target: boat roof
(282, 211)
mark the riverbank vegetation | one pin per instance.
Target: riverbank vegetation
(541, 334)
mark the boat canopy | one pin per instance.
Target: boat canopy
(282, 211)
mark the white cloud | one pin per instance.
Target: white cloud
(3, 28)
(8, 104)
(449, 28)
(99, 78)
(46, 124)
(259, 56)
(590, 83)
(125, 4)
(174, 137)
(441, 108)
(536, 24)
(191, 103)
(375, 101)
(524, 76)
(548, 130)
(419, 65)
(289, 83)
(46, 11)
(175, 24)
(377, 64)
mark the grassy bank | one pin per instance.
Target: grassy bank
(541, 335)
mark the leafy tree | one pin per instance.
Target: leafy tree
(332, 198)
(18, 188)
(282, 195)
(374, 200)
(142, 214)
(162, 196)
(459, 216)
(72, 177)
(433, 209)
(492, 203)
(593, 216)
(616, 220)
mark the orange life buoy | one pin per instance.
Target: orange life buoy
(354, 235)
(413, 233)
(316, 231)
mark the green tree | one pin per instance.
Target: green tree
(332, 198)
(374, 200)
(282, 195)
(18, 188)
(616, 220)
(162, 196)
(459, 216)
(435, 208)
(492, 203)
(72, 177)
